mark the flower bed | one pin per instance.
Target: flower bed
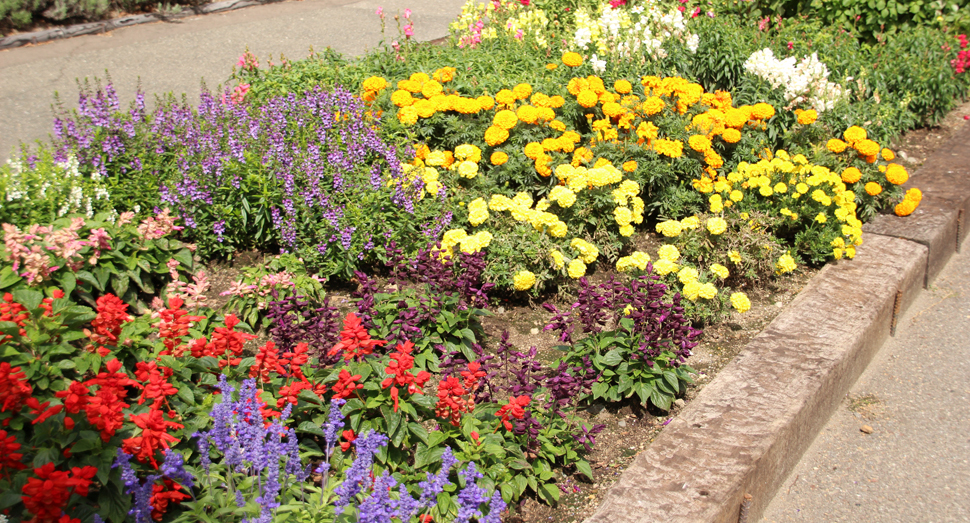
(643, 161)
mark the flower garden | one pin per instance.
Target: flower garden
(635, 167)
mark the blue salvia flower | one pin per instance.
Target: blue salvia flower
(174, 468)
(470, 498)
(357, 479)
(436, 482)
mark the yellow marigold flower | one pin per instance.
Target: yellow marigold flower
(850, 252)
(562, 196)
(762, 111)
(523, 280)
(527, 114)
(720, 271)
(626, 230)
(431, 88)
(731, 135)
(867, 147)
(716, 225)
(612, 109)
(637, 260)
(668, 252)
(588, 252)
(807, 117)
(467, 169)
(735, 118)
(802, 188)
(837, 254)
(785, 264)
(647, 130)
(468, 152)
(607, 97)
(687, 275)
(576, 269)
(671, 148)
(652, 105)
(505, 119)
(375, 83)
(854, 134)
(558, 229)
(551, 67)
(836, 146)
(699, 143)
(821, 218)
(736, 196)
(425, 108)
(401, 98)
(707, 291)
(577, 85)
(533, 150)
(780, 188)
(734, 256)
(596, 84)
(622, 86)
(556, 101)
(692, 290)
(717, 203)
(896, 174)
(486, 102)
(558, 260)
(522, 91)
(873, 188)
(495, 135)
(740, 302)
(444, 74)
(499, 158)
(851, 175)
(664, 266)
(587, 98)
(670, 228)
(408, 115)
(888, 155)
(505, 97)
(572, 59)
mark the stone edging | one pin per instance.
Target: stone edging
(47, 35)
(725, 456)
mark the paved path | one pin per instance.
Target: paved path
(173, 57)
(915, 396)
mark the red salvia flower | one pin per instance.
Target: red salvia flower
(14, 389)
(112, 313)
(174, 326)
(9, 457)
(293, 361)
(346, 384)
(154, 436)
(46, 495)
(48, 303)
(267, 361)
(291, 393)
(226, 341)
(104, 410)
(42, 410)
(401, 363)
(164, 493)
(349, 438)
(355, 341)
(13, 311)
(75, 397)
(451, 402)
(514, 409)
(156, 387)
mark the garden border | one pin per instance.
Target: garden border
(725, 456)
(47, 35)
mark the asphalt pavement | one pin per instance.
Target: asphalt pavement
(175, 56)
(898, 448)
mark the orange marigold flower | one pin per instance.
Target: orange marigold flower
(505, 119)
(495, 135)
(505, 97)
(630, 166)
(652, 105)
(587, 98)
(836, 146)
(731, 135)
(401, 98)
(873, 188)
(896, 174)
(572, 59)
(906, 207)
(622, 86)
(762, 111)
(699, 143)
(612, 109)
(854, 134)
(888, 155)
(527, 114)
(533, 150)
(866, 147)
(522, 91)
(807, 117)
(556, 101)
(499, 158)
(551, 67)
(486, 102)
(851, 175)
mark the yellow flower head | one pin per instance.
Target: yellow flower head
(731, 135)
(522, 91)
(576, 269)
(896, 174)
(505, 97)
(854, 134)
(401, 98)
(523, 280)
(687, 275)
(740, 302)
(851, 175)
(670, 228)
(699, 143)
(486, 102)
(664, 267)
(668, 252)
(785, 264)
(495, 135)
(499, 158)
(873, 189)
(587, 98)
(734, 256)
(558, 260)
(572, 59)
(716, 225)
(720, 271)
(762, 111)
(375, 84)
(807, 117)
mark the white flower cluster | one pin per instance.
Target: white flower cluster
(64, 187)
(627, 34)
(805, 81)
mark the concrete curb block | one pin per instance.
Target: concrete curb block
(47, 35)
(748, 428)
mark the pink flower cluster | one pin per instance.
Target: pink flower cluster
(160, 225)
(237, 96)
(193, 294)
(263, 286)
(248, 62)
(32, 250)
(962, 61)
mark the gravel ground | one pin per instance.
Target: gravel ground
(898, 448)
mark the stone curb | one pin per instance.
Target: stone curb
(725, 456)
(47, 35)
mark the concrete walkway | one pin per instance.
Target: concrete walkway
(914, 466)
(174, 57)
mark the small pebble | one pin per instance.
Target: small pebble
(622, 424)
(534, 331)
(500, 310)
(778, 304)
(866, 429)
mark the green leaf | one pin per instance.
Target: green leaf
(8, 277)
(311, 428)
(87, 277)
(419, 431)
(120, 284)
(186, 395)
(613, 358)
(66, 364)
(549, 492)
(185, 258)
(427, 455)
(600, 389)
(661, 400)
(582, 466)
(67, 282)
(28, 298)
